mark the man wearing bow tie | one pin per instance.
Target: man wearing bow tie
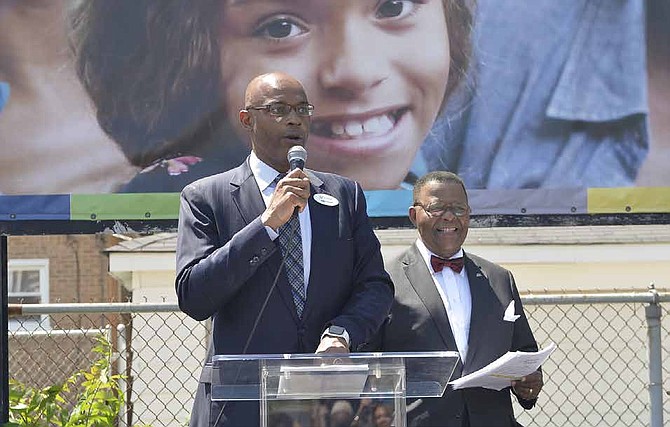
(447, 299)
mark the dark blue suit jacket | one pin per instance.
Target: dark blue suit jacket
(226, 264)
(419, 322)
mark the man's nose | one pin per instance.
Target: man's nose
(349, 67)
(293, 117)
(448, 214)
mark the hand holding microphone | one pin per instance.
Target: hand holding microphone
(292, 191)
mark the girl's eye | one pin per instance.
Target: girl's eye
(395, 9)
(280, 28)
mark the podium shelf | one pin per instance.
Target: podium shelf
(331, 376)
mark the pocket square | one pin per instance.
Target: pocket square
(509, 313)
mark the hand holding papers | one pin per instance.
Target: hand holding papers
(501, 372)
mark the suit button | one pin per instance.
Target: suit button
(254, 260)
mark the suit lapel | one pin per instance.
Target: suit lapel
(250, 205)
(421, 279)
(246, 194)
(322, 219)
(480, 294)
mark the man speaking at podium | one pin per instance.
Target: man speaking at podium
(283, 260)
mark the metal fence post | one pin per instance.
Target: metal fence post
(4, 333)
(653, 315)
(121, 370)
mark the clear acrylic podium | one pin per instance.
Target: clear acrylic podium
(304, 387)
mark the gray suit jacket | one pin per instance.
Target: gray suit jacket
(226, 264)
(419, 322)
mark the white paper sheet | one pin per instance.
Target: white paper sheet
(501, 372)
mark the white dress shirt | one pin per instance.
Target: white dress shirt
(265, 176)
(454, 289)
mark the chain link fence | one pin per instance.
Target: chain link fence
(598, 376)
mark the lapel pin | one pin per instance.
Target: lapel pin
(326, 199)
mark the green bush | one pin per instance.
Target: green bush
(97, 403)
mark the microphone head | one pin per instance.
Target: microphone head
(297, 156)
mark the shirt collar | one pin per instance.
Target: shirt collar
(263, 173)
(426, 253)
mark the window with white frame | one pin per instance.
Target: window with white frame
(28, 283)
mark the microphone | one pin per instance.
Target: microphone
(296, 157)
(296, 160)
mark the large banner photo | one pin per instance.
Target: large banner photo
(109, 108)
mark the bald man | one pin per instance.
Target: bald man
(331, 294)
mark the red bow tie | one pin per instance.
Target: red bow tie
(438, 263)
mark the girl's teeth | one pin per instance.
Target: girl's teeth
(354, 128)
(371, 127)
(385, 124)
(337, 129)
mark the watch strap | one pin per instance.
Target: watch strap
(344, 334)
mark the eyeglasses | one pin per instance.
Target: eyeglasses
(279, 109)
(436, 211)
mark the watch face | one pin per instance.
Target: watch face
(338, 330)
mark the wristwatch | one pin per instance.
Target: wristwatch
(336, 332)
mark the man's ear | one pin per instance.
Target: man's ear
(246, 119)
(412, 214)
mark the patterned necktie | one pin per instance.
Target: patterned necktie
(438, 263)
(290, 244)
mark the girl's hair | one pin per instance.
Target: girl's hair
(458, 14)
(151, 68)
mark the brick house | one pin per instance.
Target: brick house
(57, 269)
